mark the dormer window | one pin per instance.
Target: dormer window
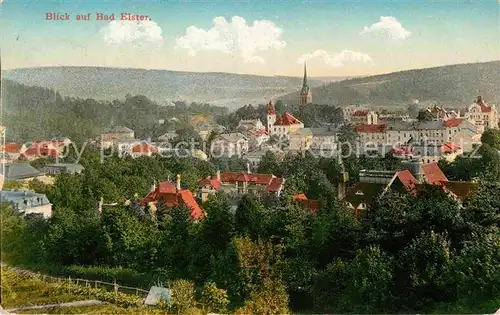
(359, 193)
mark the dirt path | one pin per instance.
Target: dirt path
(68, 304)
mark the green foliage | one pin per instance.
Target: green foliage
(183, 297)
(491, 137)
(213, 299)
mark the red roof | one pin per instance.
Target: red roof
(433, 174)
(166, 188)
(36, 152)
(275, 185)
(231, 177)
(308, 204)
(402, 150)
(455, 122)
(407, 179)
(270, 109)
(210, 181)
(144, 148)
(287, 119)
(259, 132)
(450, 148)
(371, 128)
(166, 191)
(12, 148)
(360, 113)
(484, 108)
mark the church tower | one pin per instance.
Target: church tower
(305, 92)
(271, 116)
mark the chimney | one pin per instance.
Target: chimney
(153, 188)
(218, 175)
(248, 169)
(178, 186)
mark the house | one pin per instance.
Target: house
(256, 138)
(237, 184)
(255, 156)
(282, 126)
(440, 114)
(66, 168)
(229, 144)
(300, 139)
(324, 138)
(373, 184)
(429, 153)
(111, 137)
(143, 149)
(371, 135)
(307, 204)
(364, 117)
(21, 171)
(482, 115)
(172, 195)
(12, 151)
(250, 124)
(28, 202)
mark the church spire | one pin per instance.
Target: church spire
(304, 82)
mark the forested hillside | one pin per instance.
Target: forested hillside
(455, 85)
(232, 90)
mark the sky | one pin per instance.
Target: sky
(264, 37)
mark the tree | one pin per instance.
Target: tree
(413, 111)
(424, 115)
(183, 297)
(491, 137)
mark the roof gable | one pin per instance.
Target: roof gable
(287, 119)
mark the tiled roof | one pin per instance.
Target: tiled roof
(210, 181)
(402, 150)
(20, 171)
(287, 119)
(360, 113)
(380, 128)
(407, 179)
(36, 152)
(275, 185)
(259, 132)
(307, 204)
(453, 122)
(433, 174)
(167, 192)
(12, 148)
(261, 179)
(144, 148)
(369, 191)
(450, 148)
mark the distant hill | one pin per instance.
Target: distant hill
(455, 85)
(232, 90)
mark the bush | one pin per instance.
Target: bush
(183, 297)
(214, 299)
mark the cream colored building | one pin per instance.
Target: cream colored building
(482, 115)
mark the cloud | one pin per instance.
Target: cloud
(137, 32)
(388, 28)
(337, 60)
(233, 37)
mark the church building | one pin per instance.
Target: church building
(305, 92)
(281, 126)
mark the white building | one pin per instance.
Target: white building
(28, 202)
(282, 126)
(229, 144)
(482, 115)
